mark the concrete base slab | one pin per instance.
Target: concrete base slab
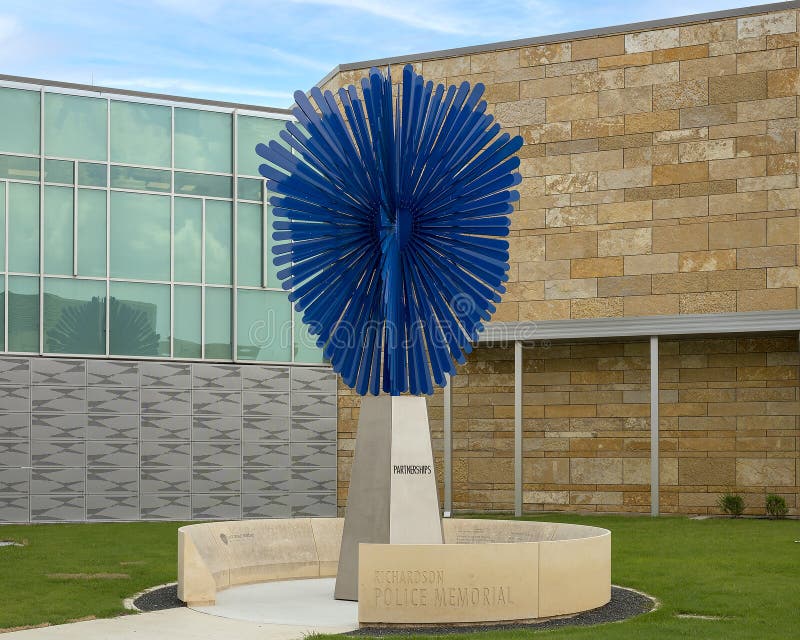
(308, 603)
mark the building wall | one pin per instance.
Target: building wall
(112, 440)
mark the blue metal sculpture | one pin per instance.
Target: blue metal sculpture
(389, 225)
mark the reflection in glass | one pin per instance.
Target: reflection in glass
(249, 189)
(19, 126)
(60, 171)
(139, 319)
(74, 316)
(92, 175)
(23, 227)
(58, 221)
(248, 245)
(218, 242)
(2, 315)
(140, 133)
(305, 345)
(203, 140)
(272, 271)
(139, 179)
(203, 184)
(140, 236)
(218, 323)
(2, 228)
(23, 314)
(91, 232)
(188, 230)
(188, 339)
(19, 168)
(75, 127)
(252, 130)
(264, 326)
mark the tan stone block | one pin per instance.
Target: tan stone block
(653, 121)
(521, 112)
(680, 173)
(767, 300)
(596, 267)
(766, 60)
(740, 233)
(545, 270)
(571, 107)
(775, 184)
(708, 302)
(691, 52)
(597, 160)
(737, 279)
(545, 87)
(545, 497)
(680, 135)
(652, 305)
(622, 178)
(737, 130)
(501, 92)
(520, 74)
(626, 60)
(545, 54)
(681, 237)
(771, 108)
(571, 216)
(571, 182)
(596, 470)
(597, 308)
(706, 116)
(544, 310)
(527, 248)
(783, 230)
(707, 260)
(570, 68)
(704, 32)
(785, 163)
(680, 207)
(737, 202)
(624, 286)
(783, 199)
(655, 263)
(766, 24)
(694, 282)
(544, 166)
(737, 168)
(546, 471)
(626, 141)
(494, 61)
(571, 245)
(778, 277)
(625, 211)
(708, 67)
(598, 80)
(755, 257)
(598, 127)
(598, 47)
(444, 67)
(652, 74)
(652, 40)
(765, 472)
(571, 288)
(783, 82)
(624, 242)
(736, 88)
(676, 95)
(706, 150)
(706, 471)
(546, 132)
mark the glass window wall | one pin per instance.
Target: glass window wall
(19, 126)
(141, 134)
(140, 236)
(74, 316)
(75, 126)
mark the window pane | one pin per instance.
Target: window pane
(139, 319)
(139, 236)
(248, 245)
(91, 232)
(23, 314)
(92, 175)
(23, 228)
(249, 189)
(19, 167)
(61, 171)
(75, 127)
(19, 126)
(218, 323)
(305, 345)
(74, 316)
(264, 326)
(253, 130)
(140, 133)
(272, 271)
(187, 341)
(188, 229)
(203, 140)
(2, 229)
(203, 184)
(218, 242)
(58, 230)
(140, 179)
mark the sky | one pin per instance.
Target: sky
(261, 51)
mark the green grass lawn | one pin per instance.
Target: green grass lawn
(746, 571)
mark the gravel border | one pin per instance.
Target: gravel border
(158, 599)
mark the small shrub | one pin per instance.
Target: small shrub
(776, 506)
(732, 504)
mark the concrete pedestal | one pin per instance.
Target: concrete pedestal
(392, 496)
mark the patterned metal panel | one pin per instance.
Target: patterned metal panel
(106, 440)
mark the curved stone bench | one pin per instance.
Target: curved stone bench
(216, 555)
(487, 570)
